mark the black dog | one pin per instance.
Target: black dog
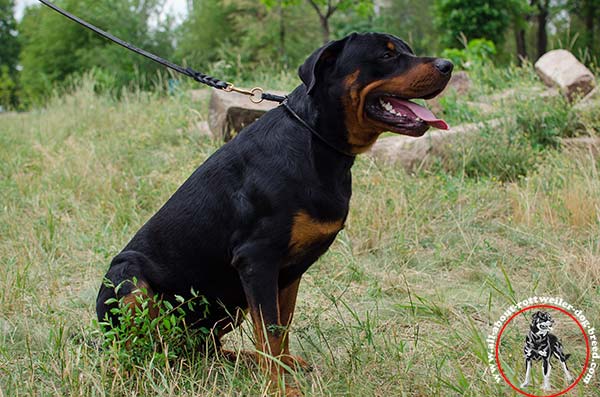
(250, 221)
(540, 344)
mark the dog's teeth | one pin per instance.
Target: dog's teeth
(386, 105)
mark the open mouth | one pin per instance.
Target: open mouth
(402, 116)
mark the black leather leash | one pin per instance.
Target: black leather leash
(257, 94)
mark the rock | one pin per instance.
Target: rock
(583, 144)
(459, 82)
(229, 112)
(561, 68)
(411, 153)
(590, 102)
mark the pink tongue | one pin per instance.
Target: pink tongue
(421, 112)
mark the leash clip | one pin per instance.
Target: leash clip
(255, 94)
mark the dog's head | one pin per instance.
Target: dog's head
(373, 77)
(541, 323)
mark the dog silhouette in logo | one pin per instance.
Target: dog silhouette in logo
(540, 344)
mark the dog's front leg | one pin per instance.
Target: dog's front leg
(527, 380)
(260, 283)
(287, 303)
(547, 368)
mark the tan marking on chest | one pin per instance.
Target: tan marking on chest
(307, 231)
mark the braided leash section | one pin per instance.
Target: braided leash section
(206, 79)
(223, 85)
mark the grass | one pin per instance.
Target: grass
(399, 306)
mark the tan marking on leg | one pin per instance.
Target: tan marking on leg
(287, 304)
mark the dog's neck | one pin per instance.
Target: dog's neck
(330, 126)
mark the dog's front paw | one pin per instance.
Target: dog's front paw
(524, 384)
(296, 363)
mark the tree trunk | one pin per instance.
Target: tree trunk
(542, 34)
(521, 45)
(281, 31)
(325, 29)
(589, 24)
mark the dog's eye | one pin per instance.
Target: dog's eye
(387, 55)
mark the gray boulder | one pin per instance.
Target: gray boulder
(560, 68)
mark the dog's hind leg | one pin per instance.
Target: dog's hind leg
(527, 380)
(124, 280)
(547, 369)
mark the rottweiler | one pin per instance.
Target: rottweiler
(540, 344)
(247, 224)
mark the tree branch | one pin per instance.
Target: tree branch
(331, 9)
(316, 7)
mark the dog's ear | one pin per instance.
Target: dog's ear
(313, 67)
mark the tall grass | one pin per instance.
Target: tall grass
(399, 306)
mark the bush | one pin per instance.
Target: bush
(515, 148)
(501, 153)
(138, 338)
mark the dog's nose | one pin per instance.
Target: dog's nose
(443, 65)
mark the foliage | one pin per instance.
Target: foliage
(198, 40)
(7, 89)
(9, 48)
(138, 337)
(325, 9)
(237, 39)
(527, 129)
(413, 22)
(476, 53)
(55, 48)
(472, 18)
(584, 25)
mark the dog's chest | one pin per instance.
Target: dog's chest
(308, 233)
(535, 344)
